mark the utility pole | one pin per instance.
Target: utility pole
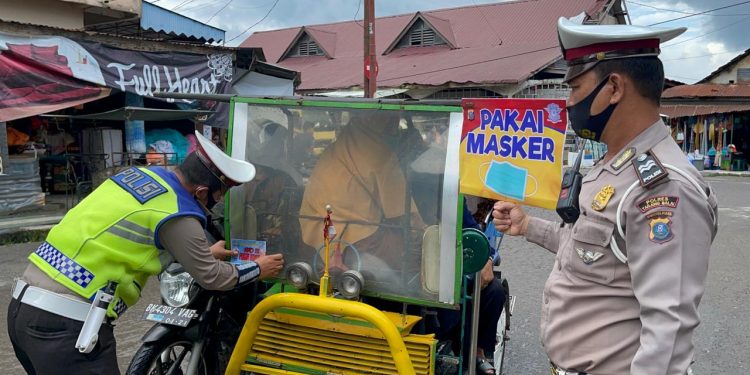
(370, 63)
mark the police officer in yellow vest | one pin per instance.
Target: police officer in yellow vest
(623, 294)
(128, 229)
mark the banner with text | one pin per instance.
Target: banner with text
(46, 73)
(511, 149)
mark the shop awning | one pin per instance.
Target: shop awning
(160, 23)
(141, 114)
(687, 110)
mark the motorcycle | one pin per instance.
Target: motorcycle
(195, 329)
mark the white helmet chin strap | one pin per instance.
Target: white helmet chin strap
(616, 249)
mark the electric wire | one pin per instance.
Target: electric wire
(708, 33)
(255, 24)
(219, 11)
(707, 55)
(701, 13)
(683, 12)
(357, 12)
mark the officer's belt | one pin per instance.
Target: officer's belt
(58, 304)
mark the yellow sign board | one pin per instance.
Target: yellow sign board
(511, 149)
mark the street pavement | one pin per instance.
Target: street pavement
(128, 331)
(722, 341)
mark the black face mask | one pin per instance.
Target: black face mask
(585, 124)
(210, 201)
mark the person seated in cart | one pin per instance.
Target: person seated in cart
(491, 302)
(274, 192)
(377, 221)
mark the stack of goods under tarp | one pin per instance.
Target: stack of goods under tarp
(167, 147)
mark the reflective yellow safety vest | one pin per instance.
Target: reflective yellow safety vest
(112, 235)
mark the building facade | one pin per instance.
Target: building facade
(712, 116)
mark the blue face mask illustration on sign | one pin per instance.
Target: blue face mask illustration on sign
(508, 180)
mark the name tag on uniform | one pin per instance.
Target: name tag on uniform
(139, 184)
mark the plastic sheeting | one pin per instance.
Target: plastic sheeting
(168, 141)
(20, 187)
(261, 84)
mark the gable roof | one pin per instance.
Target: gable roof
(526, 29)
(324, 39)
(441, 27)
(725, 66)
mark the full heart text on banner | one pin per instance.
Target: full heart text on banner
(511, 149)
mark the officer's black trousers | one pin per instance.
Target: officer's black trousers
(45, 343)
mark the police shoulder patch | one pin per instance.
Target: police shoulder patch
(139, 184)
(648, 169)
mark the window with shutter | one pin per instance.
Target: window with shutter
(306, 46)
(420, 35)
(743, 75)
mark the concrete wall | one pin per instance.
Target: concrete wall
(731, 73)
(53, 13)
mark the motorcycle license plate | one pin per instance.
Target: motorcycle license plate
(176, 316)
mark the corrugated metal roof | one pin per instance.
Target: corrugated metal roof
(495, 43)
(687, 110)
(707, 90)
(158, 19)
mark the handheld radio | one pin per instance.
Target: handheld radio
(567, 202)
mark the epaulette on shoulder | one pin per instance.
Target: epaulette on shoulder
(649, 169)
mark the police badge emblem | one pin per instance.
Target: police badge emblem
(602, 198)
(661, 229)
(553, 113)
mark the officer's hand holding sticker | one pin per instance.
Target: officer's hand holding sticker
(270, 265)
